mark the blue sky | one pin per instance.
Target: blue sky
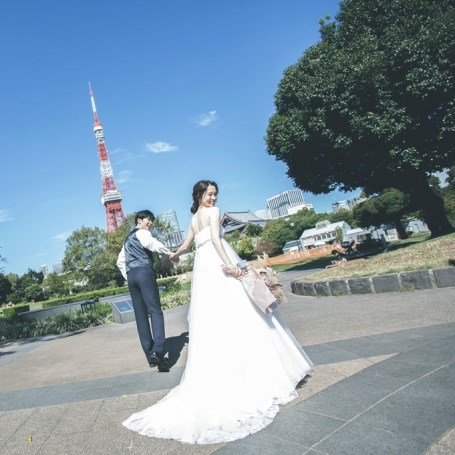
(184, 91)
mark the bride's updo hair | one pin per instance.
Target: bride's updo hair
(198, 191)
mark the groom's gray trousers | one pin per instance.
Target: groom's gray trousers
(146, 301)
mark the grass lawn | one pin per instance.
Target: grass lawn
(415, 253)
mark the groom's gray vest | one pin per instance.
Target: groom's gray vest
(135, 254)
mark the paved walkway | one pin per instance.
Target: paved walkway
(383, 383)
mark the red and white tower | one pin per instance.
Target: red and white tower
(111, 197)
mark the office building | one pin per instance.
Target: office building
(287, 203)
(175, 237)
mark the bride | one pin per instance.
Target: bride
(241, 363)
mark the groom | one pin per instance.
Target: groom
(136, 265)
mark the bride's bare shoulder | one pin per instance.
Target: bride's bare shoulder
(213, 210)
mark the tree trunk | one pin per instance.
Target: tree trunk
(431, 207)
(402, 234)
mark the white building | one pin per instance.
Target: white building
(384, 234)
(415, 225)
(287, 203)
(175, 237)
(170, 217)
(263, 214)
(347, 205)
(323, 233)
(44, 270)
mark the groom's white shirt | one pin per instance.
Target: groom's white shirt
(147, 241)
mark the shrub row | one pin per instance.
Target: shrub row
(170, 283)
(174, 299)
(17, 328)
(11, 312)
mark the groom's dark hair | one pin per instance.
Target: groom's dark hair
(144, 214)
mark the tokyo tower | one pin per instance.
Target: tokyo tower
(111, 197)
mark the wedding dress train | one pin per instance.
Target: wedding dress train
(241, 363)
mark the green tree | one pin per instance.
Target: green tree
(449, 203)
(13, 278)
(2, 260)
(267, 246)
(245, 248)
(34, 292)
(56, 285)
(252, 230)
(304, 219)
(5, 288)
(342, 215)
(372, 105)
(36, 277)
(339, 234)
(29, 278)
(448, 193)
(388, 207)
(279, 231)
(450, 180)
(161, 229)
(103, 271)
(82, 247)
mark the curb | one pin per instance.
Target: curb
(398, 282)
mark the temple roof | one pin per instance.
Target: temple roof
(231, 221)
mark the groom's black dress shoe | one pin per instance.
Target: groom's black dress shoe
(157, 359)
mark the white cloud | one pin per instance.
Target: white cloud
(117, 151)
(160, 147)
(5, 215)
(121, 156)
(62, 236)
(124, 176)
(207, 119)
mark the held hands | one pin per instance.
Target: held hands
(174, 258)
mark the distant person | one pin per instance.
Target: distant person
(136, 264)
(242, 363)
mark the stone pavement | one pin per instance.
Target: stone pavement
(383, 383)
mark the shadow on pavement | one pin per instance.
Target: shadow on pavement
(174, 346)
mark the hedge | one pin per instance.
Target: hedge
(10, 312)
(170, 283)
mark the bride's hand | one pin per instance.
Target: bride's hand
(232, 270)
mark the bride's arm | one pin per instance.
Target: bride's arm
(214, 218)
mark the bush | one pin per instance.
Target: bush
(17, 328)
(174, 299)
(11, 312)
(13, 329)
(170, 283)
(93, 295)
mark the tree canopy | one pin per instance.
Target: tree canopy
(5, 288)
(388, 207)
(2, 259)
(82, 246)
(372, 105)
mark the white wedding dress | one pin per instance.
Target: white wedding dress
(241, 363)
